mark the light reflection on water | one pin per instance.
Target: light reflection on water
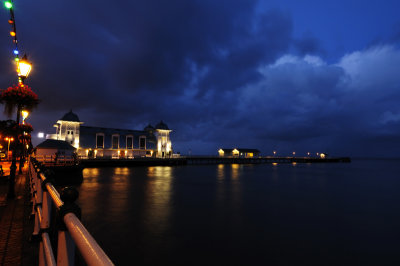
(91, 187)
(229, 192)
(221, 172)
(158, 197)
(91, 175)
(118, 195)
(122, 171)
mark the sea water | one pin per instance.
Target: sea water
(302, 214)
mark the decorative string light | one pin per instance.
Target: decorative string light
(13, 33)
(8, 4)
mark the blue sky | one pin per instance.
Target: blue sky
(341, 26)
(304, 76)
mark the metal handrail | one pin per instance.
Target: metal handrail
(76, 233)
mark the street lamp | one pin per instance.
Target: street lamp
(24, 114)
(9, 140)
(24, 68)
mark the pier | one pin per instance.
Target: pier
(196, 160)
(262, 160)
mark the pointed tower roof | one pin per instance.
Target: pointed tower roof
(149, 127)
(162, 125)
(70, 116)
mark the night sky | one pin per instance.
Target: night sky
(284, 75)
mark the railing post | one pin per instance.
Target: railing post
(66, 249)
(46, 207)
(37, 201)
(36, 228)
(32, 174)
(42, 260)
(46, 201)
(66, 245)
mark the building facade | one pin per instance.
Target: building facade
(100, 142)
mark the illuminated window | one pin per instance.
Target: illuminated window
(99, 140)
(129, 142)
(115, 141)
(142, 143)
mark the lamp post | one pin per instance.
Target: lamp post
(23, 69)
(24, 115)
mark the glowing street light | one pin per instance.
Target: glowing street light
(9, 139)
(274, 153)
(24, 115)
(24, 68)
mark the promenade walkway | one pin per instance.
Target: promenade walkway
(15, 226)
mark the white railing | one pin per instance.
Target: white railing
(71, 232)
(53, 159)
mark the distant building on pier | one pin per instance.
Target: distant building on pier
(52, 147)
(238, 152)
(100, 142)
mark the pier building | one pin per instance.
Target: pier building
(101, 142)
(239, 152)
(52, 147)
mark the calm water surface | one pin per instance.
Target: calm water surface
(304, 214)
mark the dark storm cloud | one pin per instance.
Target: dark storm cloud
(111, 53)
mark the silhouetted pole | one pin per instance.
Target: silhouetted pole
(13, 167)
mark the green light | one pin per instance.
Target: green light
(8, 4)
